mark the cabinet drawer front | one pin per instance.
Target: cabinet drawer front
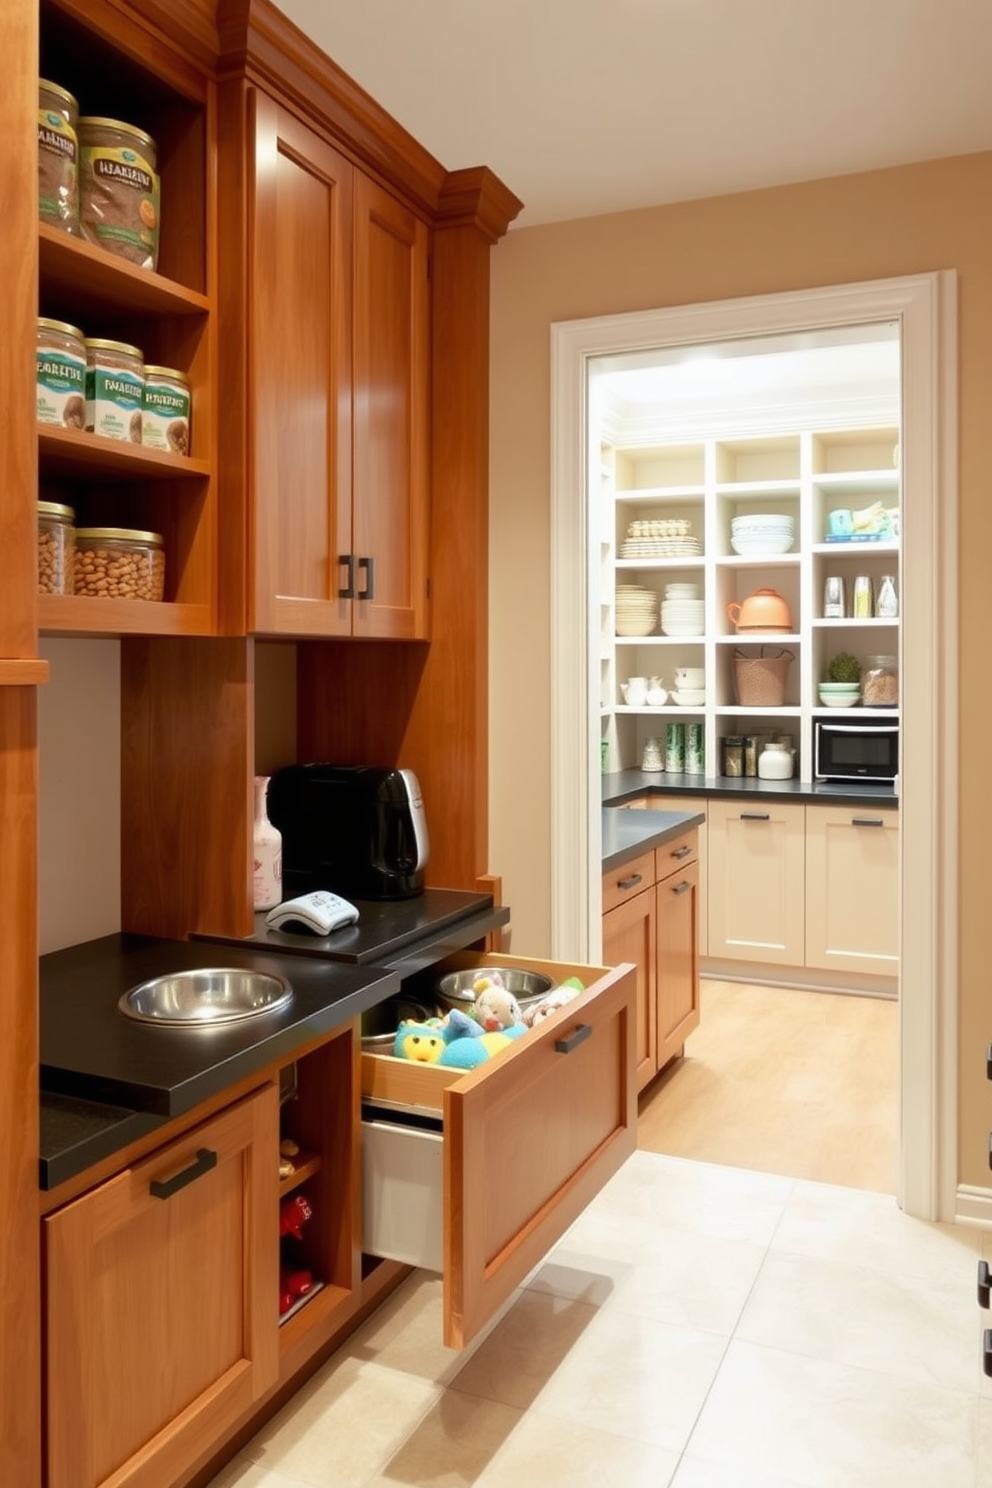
(677, 854)
(631, 878)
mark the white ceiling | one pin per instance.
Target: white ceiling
(589, 106)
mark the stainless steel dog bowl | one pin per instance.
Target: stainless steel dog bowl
(455, 989)
(379, 1023)
(207, 996)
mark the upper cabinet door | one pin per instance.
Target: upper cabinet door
(299, 313)
(391, 414)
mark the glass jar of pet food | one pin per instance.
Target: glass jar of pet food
(60, 374)
(880, 682)
(56, 547)
(165, 410)
(119, 190)
(58, 157)
(115, 385)
(118, 563)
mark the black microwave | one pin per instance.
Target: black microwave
(855, 751)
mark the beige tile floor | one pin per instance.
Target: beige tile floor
(700, 1326)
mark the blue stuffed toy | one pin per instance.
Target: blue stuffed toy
(456, 1042)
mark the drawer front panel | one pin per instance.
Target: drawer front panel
(632, 878)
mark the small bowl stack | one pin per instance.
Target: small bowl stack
(762, 534)
(637, 610)
(682, 611)
(839, 694)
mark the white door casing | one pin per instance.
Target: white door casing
(926, 308)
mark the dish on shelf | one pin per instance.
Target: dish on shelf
(690, 699)
(661, 547)
(839, 699)
(761, 546)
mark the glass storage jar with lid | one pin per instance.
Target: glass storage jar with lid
(56, 547)
(118, 563)
(58, 157)
(880, 682)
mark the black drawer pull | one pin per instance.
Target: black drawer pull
(984, 1281)
(202, 1163)
(578, 1036)
(369, 566)
(756, 816)
(680, 852)
(867, 821)
(628, 883)
(988, 1062)
(347, 562)
(987, 1352)
(681, 888)
(990, 1149)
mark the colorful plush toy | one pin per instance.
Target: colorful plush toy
(293, 1214)
(457, 1041)
(293, 1283)
(557, 998)
(497, 1009)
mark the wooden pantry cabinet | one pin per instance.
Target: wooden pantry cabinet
(651, 919)
(332, 321)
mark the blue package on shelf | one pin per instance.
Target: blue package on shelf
(858, 537)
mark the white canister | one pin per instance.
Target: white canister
(776, 762)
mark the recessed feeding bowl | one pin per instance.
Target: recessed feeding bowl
(206, 997)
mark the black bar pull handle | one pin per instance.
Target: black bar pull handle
(867, 821)
(680, 852)
(629, 883)
(756, 816)
(988, 1062)
(347, 562)
(984, 1283)
(202, 1163)
(680, 888)
(987, 1352)
(578, 1036)
(368, 564)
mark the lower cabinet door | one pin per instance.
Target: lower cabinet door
(677, 915)
(852, 889)
(757, 895)
(629, 935)
(162, 1286)
(529, 1137)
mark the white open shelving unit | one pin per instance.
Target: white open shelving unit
(804, 473)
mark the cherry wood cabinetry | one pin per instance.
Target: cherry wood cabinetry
(677, 899)
(161, 1300)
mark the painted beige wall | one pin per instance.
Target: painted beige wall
(878, 225)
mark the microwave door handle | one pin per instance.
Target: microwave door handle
(856, 728)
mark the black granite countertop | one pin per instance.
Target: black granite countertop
(628, 833)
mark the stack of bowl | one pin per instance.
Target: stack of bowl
(761, 534)
(839, 694)
(637, 610)
(682, 612)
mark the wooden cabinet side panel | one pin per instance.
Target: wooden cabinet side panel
(678, 959)
(629, 934)
(757, 882)
(560, 1119)
(852, 889)
(189, 1280)
(300, 337)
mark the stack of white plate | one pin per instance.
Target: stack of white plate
(637, 610)
(758, 535)
(682, 617)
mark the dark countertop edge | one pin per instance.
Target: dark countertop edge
(75, 1134)
(627, 834)
(626, 784)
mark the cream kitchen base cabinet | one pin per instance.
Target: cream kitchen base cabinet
(161, 1312)
(499, 1161)
(757, 893)
(852, 889)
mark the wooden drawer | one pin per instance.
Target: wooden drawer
(621, 883)
(678, 853)
(528, 1138)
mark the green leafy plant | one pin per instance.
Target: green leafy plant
(844, 668)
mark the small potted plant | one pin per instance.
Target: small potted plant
(844, 668)
(843, 685)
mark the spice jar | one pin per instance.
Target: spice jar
(119, 189)
(880, 682)
(165, 410)
(733, 754)
(55, 548)
(60, 374)
(117, 563)
(115, 384)
(58, 157)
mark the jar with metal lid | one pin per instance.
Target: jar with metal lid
(58, 157)
(118, 563)
(165, 410)
(880, 682)
(55, 548)
(733, 754)
(115, 386)
(119, 189)
(60, 374)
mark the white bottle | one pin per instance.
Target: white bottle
(267, 882)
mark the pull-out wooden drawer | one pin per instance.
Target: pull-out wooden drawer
(526, 1140)
(620, 884)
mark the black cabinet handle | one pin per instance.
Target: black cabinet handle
(347, 562)
(202, 1163)
(987, 1352)
(628, 883)
(368, 564)
(681, 888)
(867, 821)
(990, 1149)
(756, 816)
(984, 1282)
(680, 852)
(578, 1036)
(988, 1062)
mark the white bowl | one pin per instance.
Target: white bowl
(693, 699)
(839, 699)
(760, 546)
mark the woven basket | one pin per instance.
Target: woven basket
(760, 680)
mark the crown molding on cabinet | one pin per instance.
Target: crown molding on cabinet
(476, 197)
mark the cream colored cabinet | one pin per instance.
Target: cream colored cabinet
(162, 1304)
(852, 889)
(757, 896)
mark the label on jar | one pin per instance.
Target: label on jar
(120, 202)
(113, 403)
(165, 415)
(61, 385)
(58, 178)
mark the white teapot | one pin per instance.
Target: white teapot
(656, 696)
(635, 691)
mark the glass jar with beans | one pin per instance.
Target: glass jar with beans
(118, 563)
